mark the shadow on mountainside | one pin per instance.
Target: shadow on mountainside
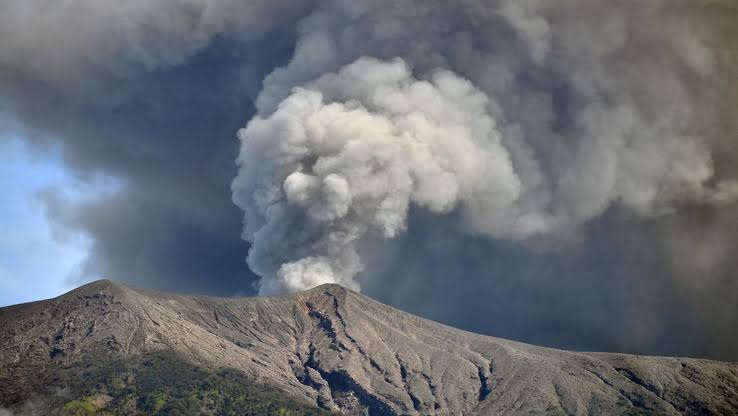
(160, 383)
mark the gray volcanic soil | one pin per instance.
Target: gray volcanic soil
(341, 351)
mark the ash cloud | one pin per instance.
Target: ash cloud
(344, 158)
(150, 95)
(566, 166)
(527, 120)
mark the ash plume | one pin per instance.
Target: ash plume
(497, 111)
(557, 172)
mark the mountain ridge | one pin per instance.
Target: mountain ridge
(337, 350)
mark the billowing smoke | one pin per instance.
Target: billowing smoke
(525, 120)
(560, 172)
(343, 158)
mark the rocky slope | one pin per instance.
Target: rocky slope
(337, 350)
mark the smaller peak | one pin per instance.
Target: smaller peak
(332, 288)
(103, 285)
(330, 285)
(106, 282)
(329, 291)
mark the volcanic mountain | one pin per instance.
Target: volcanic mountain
(105, 348)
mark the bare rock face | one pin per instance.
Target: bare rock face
(343, 352)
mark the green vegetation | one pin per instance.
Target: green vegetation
(164, 384)
(84, 406)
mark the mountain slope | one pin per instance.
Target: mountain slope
(340, 351)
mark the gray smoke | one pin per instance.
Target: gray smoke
(558, 172)
(150, 94)
(529, 121)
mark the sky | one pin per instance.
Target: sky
(561, 173)
(35, 261)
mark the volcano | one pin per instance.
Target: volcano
(110, 348)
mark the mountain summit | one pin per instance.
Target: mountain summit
(109, 348)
